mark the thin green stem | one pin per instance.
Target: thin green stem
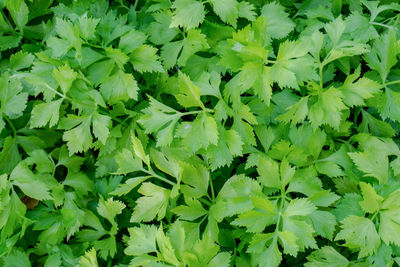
(321, 78)
(197, 112)
(374, 215)
(392, 82)
(155, 175)
(212, 190)
(135, 4)
(205, 201)
(283, 196)
(14, 130)
(94, 45)
(382, 25)
(8, 21)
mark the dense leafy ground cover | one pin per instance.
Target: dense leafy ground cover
(199, 133)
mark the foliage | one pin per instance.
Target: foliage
(199, 133)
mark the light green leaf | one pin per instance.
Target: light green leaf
(279, 25)
(372, 201)
(128, 186)
(65, 76)
(101, 125)
(79, 139)
(19, 12)
(192, 211)
(30, 183)
(142, 240)
(21, 60)
(327, 109)
(326, 257)
(354, 93)
(187, 13)
(152, 204)
(110, 208)
(299, 207)
(89, 259)
(359, 233)
(288, 241)
(45, 113)
(227, 10)
(145, 59)
(120, 86)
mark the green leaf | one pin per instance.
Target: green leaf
(110, 208)
(375, 126)
(372, 165)
(89, 259)
(145, 59)
(302, 230)
(9, 156)
(120, 86)
(17, 258)
(273, 255)
(372, 201)
(128, 186)
(79, 181)
(348, 205)
(299, 207)
(327, 109)
(12, 99)
(195, 179)
(65, 76)
(189, 93)
(288, 241)
(142, 240)
(187, 13)
(324, 223)
(131, 40)
(354, 93)
(45, 113)
(279, 25)
(101, 125)
(19, 12)
(21, 60)
(326, 256)
(227, 10)
(359, 233)
(87, 27)
(192, 211)
(293, 65)
(159, 30)
(295, 113)
(79, 139)
(201, 133)
(153, 203)
(30, 183)
(389, 223)
(237, 193)
(127, 162)
(383, 55)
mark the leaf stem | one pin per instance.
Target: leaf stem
(205, 201)
(381, 24)
(94, 45)
(155, 175)
(135, 4)
(197, 112)
(321, 80)
(392, 82)
(14, 130)
(212, 189)
(283, 197)
(374, 215)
